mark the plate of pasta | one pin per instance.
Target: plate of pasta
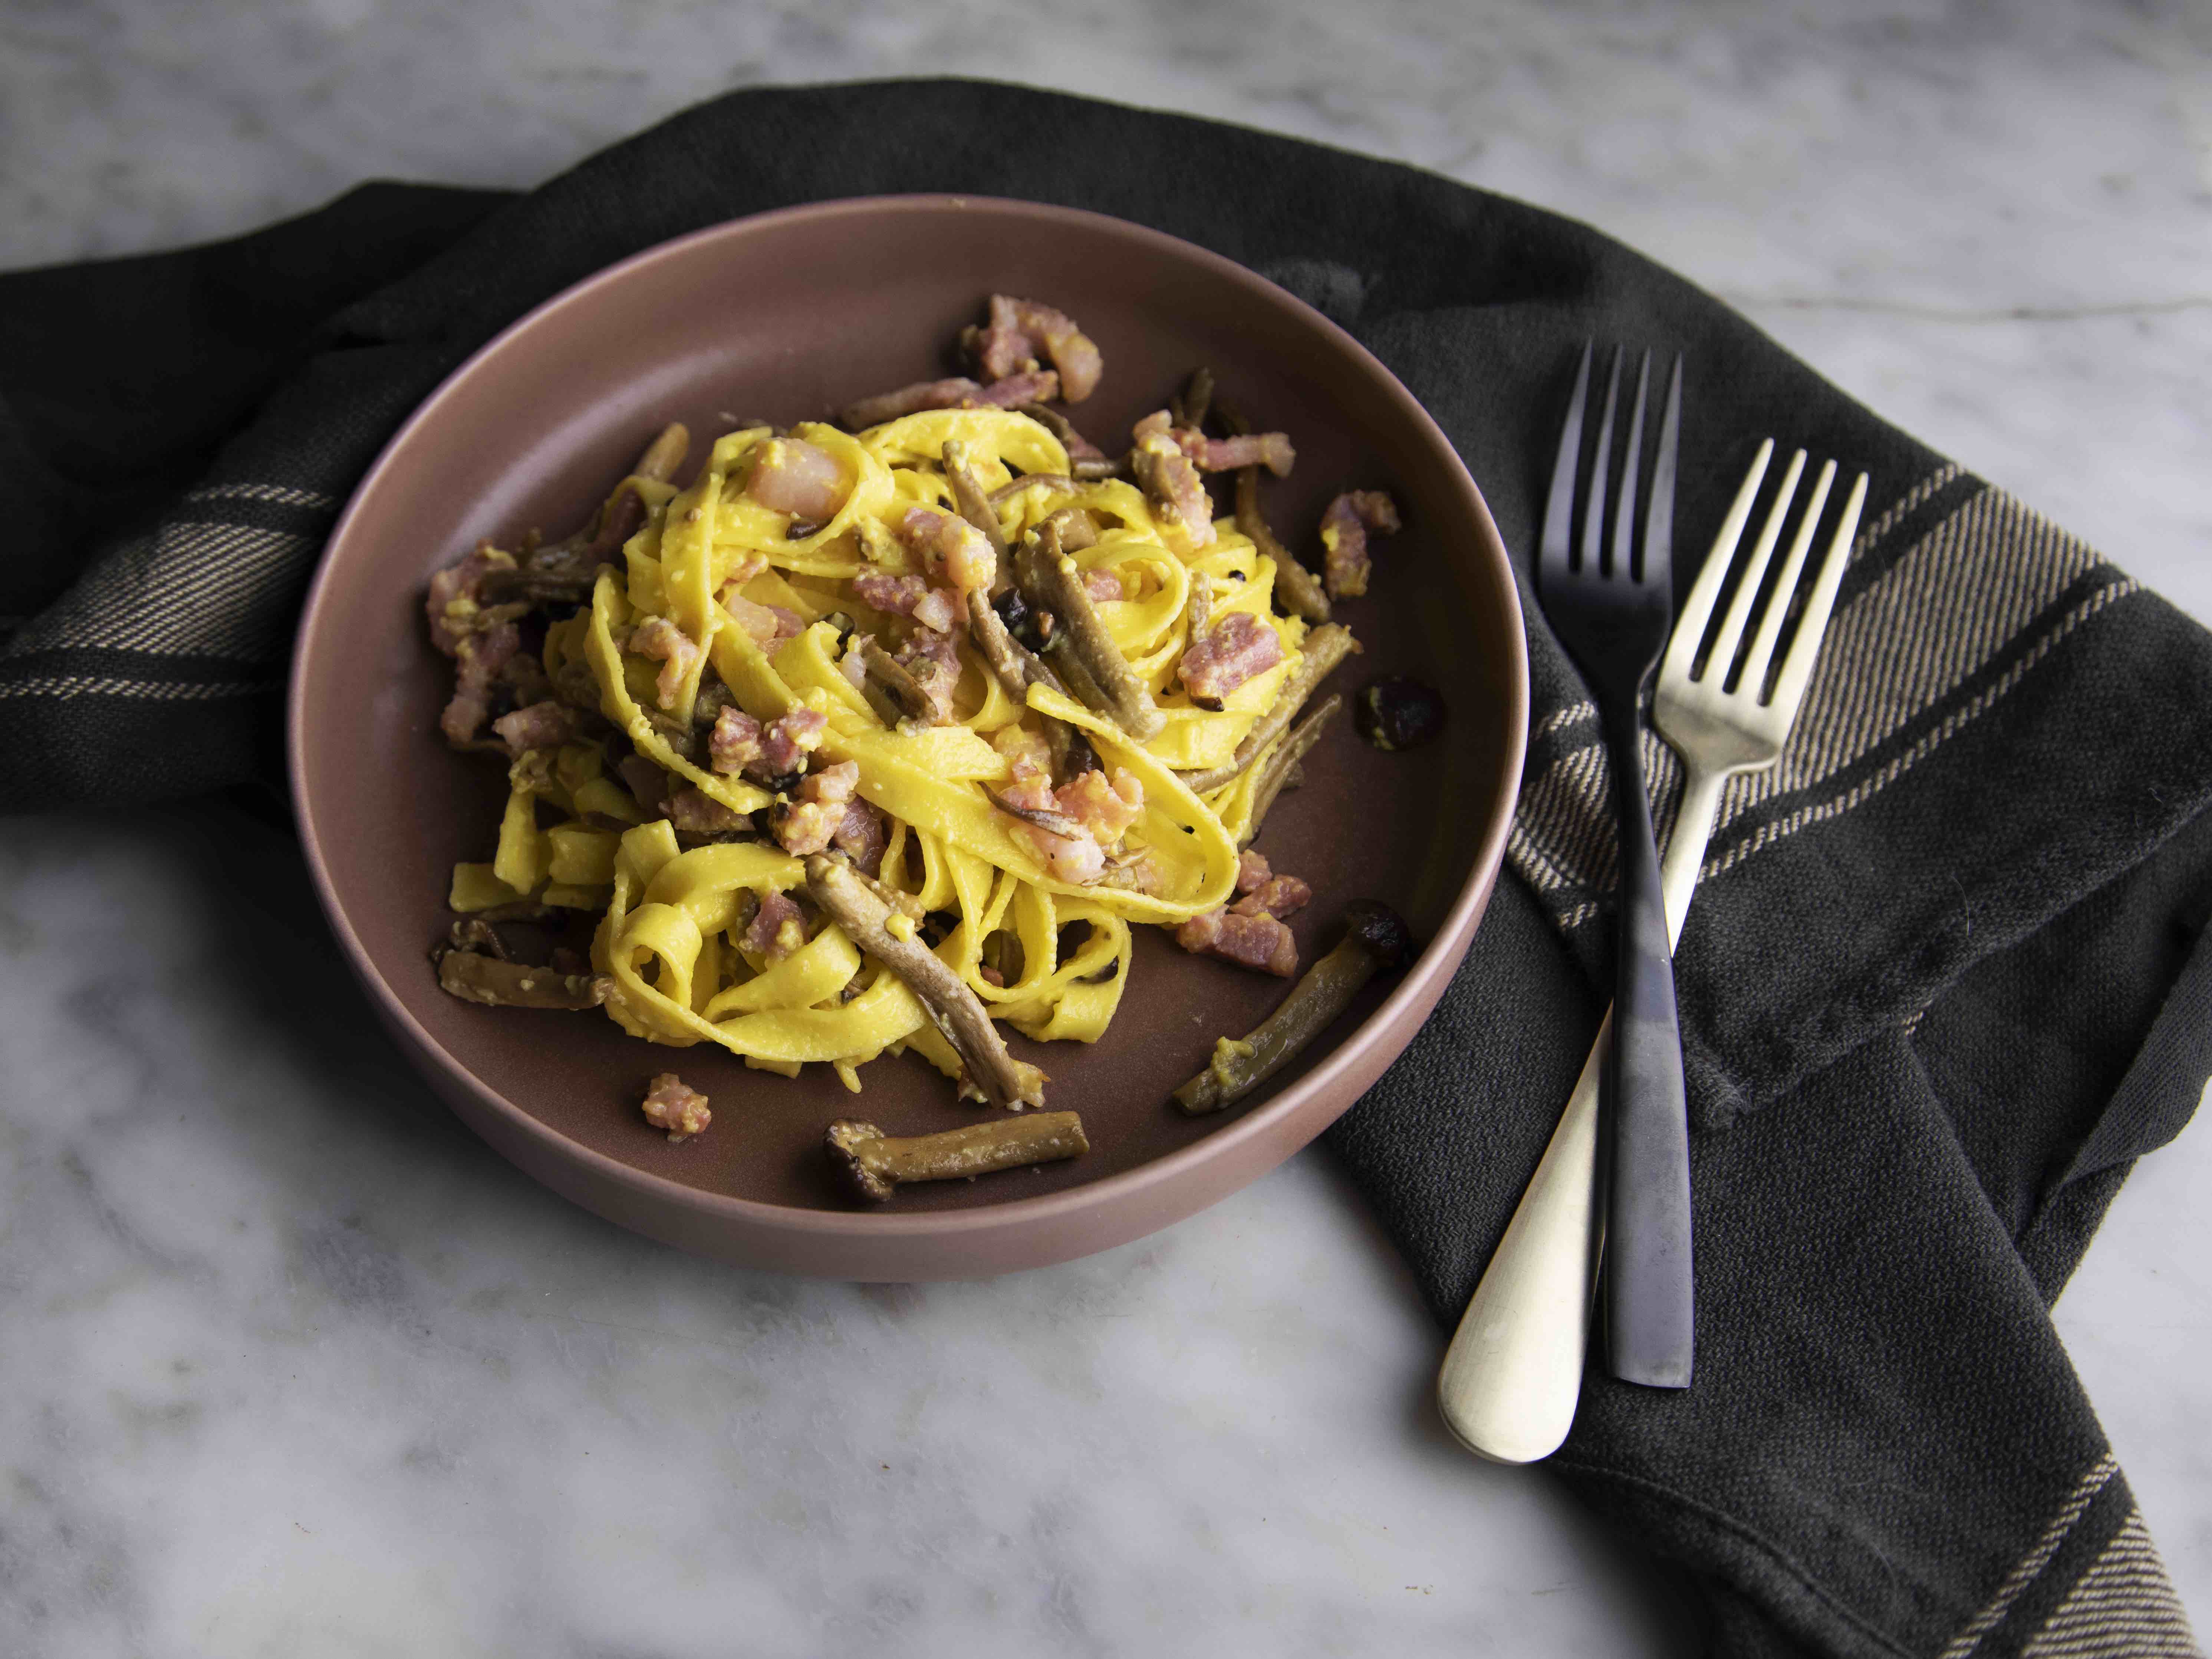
(909, 768)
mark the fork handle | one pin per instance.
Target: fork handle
(1649, 1296)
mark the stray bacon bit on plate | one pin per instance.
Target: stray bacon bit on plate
(1345, 528)
(673, 1105)
(1259, 941)
(1236, 648)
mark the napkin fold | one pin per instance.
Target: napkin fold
(1943, 983)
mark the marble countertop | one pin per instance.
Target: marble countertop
(296, 1366)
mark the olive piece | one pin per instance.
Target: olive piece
(1396, 712)
(1031, 628)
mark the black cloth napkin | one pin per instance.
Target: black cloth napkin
(1943, 982)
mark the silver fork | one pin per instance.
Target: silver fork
(1513, 1373)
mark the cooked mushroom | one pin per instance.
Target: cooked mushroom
(562, 573)
(900, 700)
(1283, 770)
(986, 1067)
(1085, 460)
(1056, 823)
(1374, 939)
(1324, 648)
(874, 1164)
(1059, 482)
(1397, 711)
(1084, 652)
(1301, 590)
(1194, 402)
(475, 976)
(975, 503)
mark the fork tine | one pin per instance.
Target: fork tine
(1754, 678)
(1559, 509)
(1658, 564)
(1593, 507)
(1797, 666)
(1624, 521)
(1722, 657)
(1706, 591)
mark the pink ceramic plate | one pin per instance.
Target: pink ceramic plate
(788, 315)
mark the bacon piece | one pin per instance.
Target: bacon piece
(790, 738)
(1106, 809)
(1252, 870)
(767, 625)
(777, 928)
(1102, 585)
(456, 597)
(950, 547)
(657, 636)
(541, 725)
(1250, 941)
(1234, 650)
(1171, 480)
(1272, 450)
(957, 392)
(735, 742)
(699, 813)
(939, 608)
(810, 824)
(482, 656)
(1027, 754)
(673, 1105)
(933, 660)
(1076, 859)
(1280, 897)
(803, 479)
(1345, 528)
(1020, 331)
(863, 836)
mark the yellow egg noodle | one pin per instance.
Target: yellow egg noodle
(671, 920)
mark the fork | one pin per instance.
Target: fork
(1613, 614)
(1510, 1380)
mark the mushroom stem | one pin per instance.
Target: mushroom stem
(1083, 460)
(1374, 938)
(1283, 769)
(1324, 648)
(989, 1069)
(975, 504)
(1092, 665)
(496, 984)
(1301, 589)
(561, 573)
(874, 1164)
(895, 695)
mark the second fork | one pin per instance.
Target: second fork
(1613, 609)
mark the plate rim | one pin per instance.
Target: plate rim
(1439, 960)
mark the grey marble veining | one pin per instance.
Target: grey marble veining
(291, 1365)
